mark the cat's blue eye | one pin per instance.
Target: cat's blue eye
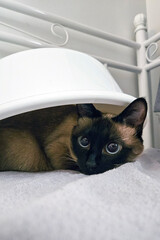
(113, 148)
(83, 141)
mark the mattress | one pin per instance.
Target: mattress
(123, 203)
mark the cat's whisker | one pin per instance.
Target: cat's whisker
(70, 163)
(117, 165)
(67, 157)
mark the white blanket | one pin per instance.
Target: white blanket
(123, 203)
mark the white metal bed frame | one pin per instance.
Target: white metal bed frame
(141, 45)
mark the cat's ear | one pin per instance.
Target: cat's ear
(87, 110)
(133, 115)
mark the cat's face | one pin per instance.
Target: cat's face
(101, 143)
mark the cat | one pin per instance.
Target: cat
(77, 137)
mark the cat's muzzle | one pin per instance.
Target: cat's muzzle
(91, 167)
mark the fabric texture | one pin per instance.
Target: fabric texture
(123, 203)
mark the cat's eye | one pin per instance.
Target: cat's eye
(113, 148)
(83, 141)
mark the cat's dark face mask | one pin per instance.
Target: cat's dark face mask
(101, 143)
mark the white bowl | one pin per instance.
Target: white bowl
(46, 77)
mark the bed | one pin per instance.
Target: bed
(119, 204)
(122, 203)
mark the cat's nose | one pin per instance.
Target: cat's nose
(91, 166)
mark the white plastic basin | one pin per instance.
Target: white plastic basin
(46, 77)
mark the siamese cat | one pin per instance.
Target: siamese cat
(77, 137)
